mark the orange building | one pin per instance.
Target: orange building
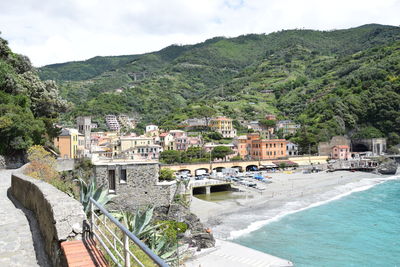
(253, 147)
(70, 143)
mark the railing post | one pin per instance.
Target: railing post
(91, 217)
(126, 254)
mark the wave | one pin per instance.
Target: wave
(297, 206)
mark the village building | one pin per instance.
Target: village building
(135, 184)
(112, 123)
(70, 143)
(253, 147)
(166, 141)
(287, 127)
(126, 122)
(341, 152)
(224, 126)
(292, 149)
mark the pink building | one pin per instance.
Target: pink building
(340, 152)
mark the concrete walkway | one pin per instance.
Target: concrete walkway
(234, 255)
(16, 238)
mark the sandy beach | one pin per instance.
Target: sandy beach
(285, 187)
(288, 193)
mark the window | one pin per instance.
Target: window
(111, 181)
(122, 177)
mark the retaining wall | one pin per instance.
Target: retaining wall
(59, 216)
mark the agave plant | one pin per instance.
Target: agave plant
(92, 190)
(164, 247)
(138, 223)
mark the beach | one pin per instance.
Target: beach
(287, 193)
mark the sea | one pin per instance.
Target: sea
(357, 224)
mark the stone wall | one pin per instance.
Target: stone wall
(141, 187)
(59, 216)
(65, 164)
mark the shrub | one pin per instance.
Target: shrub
(42, 164)
(166, 174)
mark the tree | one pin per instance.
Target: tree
(194, 153)
(206, 112)
(267, 123)
(220, 152)
(170, 156)
(236, 158)
(282, 165)
(215, 136)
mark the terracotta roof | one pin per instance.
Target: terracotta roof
(163, 134)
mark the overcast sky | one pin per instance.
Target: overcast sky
(53, 31)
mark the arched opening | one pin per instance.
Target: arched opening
(199, 190)
(218, 169)
(360, 148)
(251, 168)
(220, 188)
(200, 171)
(238, 168)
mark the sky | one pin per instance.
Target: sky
(55, 31)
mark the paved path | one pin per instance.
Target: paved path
(234, 255)
(16, 243)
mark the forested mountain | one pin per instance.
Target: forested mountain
(332, 82)
(28, 106)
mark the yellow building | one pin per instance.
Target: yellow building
(70, 143)
(126, 143)
(224, 126)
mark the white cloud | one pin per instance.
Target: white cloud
(57, 31)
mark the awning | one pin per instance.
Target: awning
(270, 165)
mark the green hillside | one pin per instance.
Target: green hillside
(28, 106)
(333, 82)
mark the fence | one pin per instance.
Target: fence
(112, 242)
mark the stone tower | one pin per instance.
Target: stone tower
(84, 127)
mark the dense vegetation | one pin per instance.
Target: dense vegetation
(28, 106)
(332, 82)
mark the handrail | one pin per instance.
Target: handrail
(156, 259)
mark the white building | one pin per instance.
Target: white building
(112, 123)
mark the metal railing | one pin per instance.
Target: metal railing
(112, 243)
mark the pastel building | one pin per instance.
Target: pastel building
(112, 123)
(341, 152)
(253, 147)
(287, 126)
(292, 149)
(70, 143)
(224, 126)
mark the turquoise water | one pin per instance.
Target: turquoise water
(361, 229)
